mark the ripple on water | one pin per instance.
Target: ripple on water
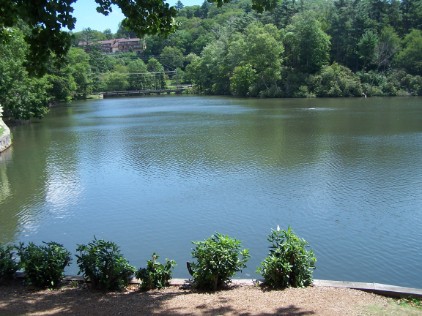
(154, 176)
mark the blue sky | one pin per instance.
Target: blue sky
(87, 16)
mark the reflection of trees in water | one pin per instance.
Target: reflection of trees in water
(7, 223)
(270, 133)
(37, 177)
(220, 140)
(4, 181)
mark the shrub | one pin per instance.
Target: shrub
(102, 263)
(44, 265)
(242, 79)
(218, 258)
(336, 81)
(8, 265)
(288, 263)
(155, 275)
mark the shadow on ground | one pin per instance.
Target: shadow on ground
(15, 299)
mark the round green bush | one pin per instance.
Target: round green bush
(156, 275)
(101, 263)
(44, 265)
(289, 263)
(218, 258)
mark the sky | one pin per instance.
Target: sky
(87, 16)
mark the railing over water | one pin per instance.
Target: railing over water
(146, 92)
(143, 84)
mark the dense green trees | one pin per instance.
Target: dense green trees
(410, 58)
(138, 80)
(246, 63)
(45, 20)
(36, 64)
(300, 48)
(171, 58)
(338, 48)
(307, 45)
(21, 96)
(336, 81)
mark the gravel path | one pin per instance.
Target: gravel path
(238, 300)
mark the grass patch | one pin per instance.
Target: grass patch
(410, 302)
(401, 307)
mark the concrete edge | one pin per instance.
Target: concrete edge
(376, 288)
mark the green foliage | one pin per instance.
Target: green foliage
(344, 34)
(79, 68)
(237, 51)
(45, 35)
(264, 54)
(410, 58)
(156, 275)
(115, 81)
(307, 45)
(8, 265)
(158, 77)
(288, 263)
(242, 80)
(171, 58)
(412, 84)
(399, 82)
(21, 96)
(411, 12)
(410, 302)
(101, 263)
(218, 258)
(88, 36)
(392, 83)
(387, 48)
(243, 63)
(44, 265)
(62, 86)
(336, 81)
(143, 17)
(140, 79)
(372, 82)
(367, 48)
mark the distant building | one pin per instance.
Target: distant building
(118, 45)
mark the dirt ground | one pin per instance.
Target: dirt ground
(76, 299)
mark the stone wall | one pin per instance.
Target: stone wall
(5, 138)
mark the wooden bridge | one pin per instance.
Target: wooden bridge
(146, 92)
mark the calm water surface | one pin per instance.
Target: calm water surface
(154, 174)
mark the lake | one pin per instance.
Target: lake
(154, 174)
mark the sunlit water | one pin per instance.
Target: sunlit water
(154, 174)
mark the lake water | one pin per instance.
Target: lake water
(156, 173)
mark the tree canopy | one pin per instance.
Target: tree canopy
(46, 19)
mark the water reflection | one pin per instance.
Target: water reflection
(153, 174)
(4, 181)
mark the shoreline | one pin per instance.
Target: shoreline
(386, 290)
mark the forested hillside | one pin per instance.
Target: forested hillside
(299, 49)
